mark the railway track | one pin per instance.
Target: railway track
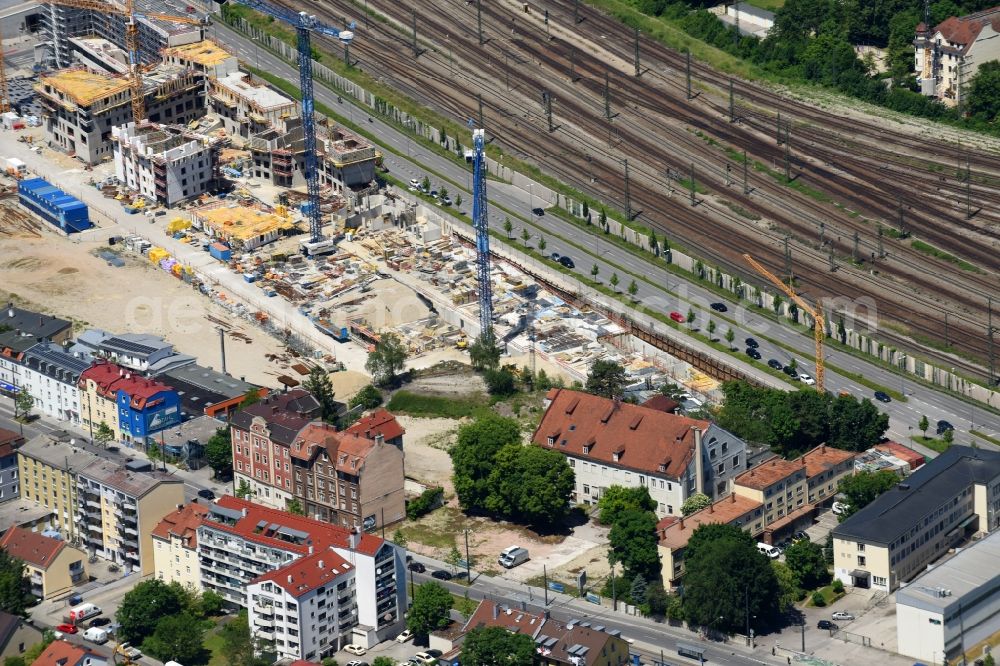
(422, 83)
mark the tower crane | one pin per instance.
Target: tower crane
(132, 18)
(305, 25)
(819, 327)
(4, 92)
(480, 221)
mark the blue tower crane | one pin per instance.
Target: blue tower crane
(480, 221)
(305, 25)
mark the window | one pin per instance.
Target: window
(722, 468)
(736, 462)
(861, 560)
(878, 580)
(586, 489)
(861, 547)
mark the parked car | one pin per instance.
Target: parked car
(567, 262)
(131, 652)
(554, 256)
(99, 622)
(839, 508)
(206, 493)
(752, 343)
(791, 372)
(766, 549)
(446, 200)
(719, 307)
(414, 183)
(800, 536)
(356, 662)
(882, 396)
(753, 353)
(416, 566)
(405, 636)
(678, 317)
(441, 574)
(943, 426)
(774, 363)
(805, 378)
(538, 212)
(425, 658)
(826, 624)
(842, 615)
(67, 628)
(354, 648)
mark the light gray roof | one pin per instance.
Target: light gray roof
(213, 380)
(974, 569)
(49, 358)
(133, 484)
(58, 451)
(140, 345)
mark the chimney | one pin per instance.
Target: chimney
(10, 310)
(368, 433)
(711, 507)
(699, 464)
(379, 439)
(822, 448)
(617, 402)
(289, 578)
(732, 497)
(321, 564)
(310, 550)
(494, 611)
(41, 321)
(682, 522)
(244, 512)
(354, 539)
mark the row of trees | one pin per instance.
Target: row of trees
(632, 541)
(495, 474)
(794, 422)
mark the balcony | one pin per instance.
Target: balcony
(264, 622)
(265, 635)
(97, 528)
(96, 504)
(131, 542)
(263, 611)
(36, 579)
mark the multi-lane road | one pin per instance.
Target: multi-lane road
(658, 288)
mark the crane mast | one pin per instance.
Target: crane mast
(480, 221)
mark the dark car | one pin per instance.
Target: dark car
(719, 307)
(416, 566)
(99, 622)
(882, 396)
(752, 343)
(753, 353)
(206, 494)
(441, 574)
(826, 624)
(790, 371)
(538, 211)
(800, 536)
(943, 426)
(554, 256)
(567, 262)
(773, 363)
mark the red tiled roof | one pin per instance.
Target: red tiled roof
(61, 653)
(111, 378)
(674, 533)
(511, 619)
(32, 547)
(661, 403)
(902, 452)
(650, 438)
(313, 437)
(352, 452)
(964, 30)
(767, 473)
(307, 573)
(322, 535)
(379, 422)
(303, 662)
(9, 442)
(182, 523)
(824, 457)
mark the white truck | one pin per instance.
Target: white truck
(97, 635)
(78, 614)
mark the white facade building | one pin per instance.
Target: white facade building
(50, 374)
(952, 607)
(248, 107)
(164, 163)
(949, 54)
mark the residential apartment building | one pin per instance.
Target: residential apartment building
(147, 353)
(118, 509)
(608, 442)
(949, 54)
(10, 442)
(780, 485)
(64, 653)
(825, 467)
(22, 330)
(17, 634)
(52, 566)
(309, 586)
(80, 107)
(134, 407)
(47, 470)
(953, 608)
(893, 539)
(347, 478)
(51, 374)
(262, 437)
(165, 163)
(205, 56)
(247, 106)
(175, 546)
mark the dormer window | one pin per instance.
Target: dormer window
(550, 441)
(615, 456)
(662, 467)
(586, 449)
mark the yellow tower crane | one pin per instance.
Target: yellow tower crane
(132, 18)
(4, 92)
(819, 327)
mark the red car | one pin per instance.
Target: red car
(678, 317)
(67, 628)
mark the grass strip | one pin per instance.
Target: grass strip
(984, 436)
(932, 251)
(415, 404)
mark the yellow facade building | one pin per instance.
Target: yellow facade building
(175, 546)
(53, 566)
(47, 470)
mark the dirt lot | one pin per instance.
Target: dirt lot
(426, 444)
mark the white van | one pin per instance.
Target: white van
(78, 614)
(513, 556)
(769, 550)
(97, 635)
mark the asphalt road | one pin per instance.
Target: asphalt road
(657, 287)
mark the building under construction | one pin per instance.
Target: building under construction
(165, 163)
(244, 228)
(247, 106)
(81, 107)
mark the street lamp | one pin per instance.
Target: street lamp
(902, 376)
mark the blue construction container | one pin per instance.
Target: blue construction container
(53, 205)
(220, 252)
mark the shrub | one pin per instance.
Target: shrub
(428, 500)
(838, 586)
(818, 599)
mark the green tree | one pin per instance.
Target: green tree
(318, 383)
(329, 661)
(458, 202)
(614, 281)
(368, 397)
(430, 610)
(400, 539)
(690, 317)
(211, 604)
(243, 491)
(252, 397)
(633, 289)
(530, 484)
(219, 453)
(711, 329)
(383, 661)
(695, 503)
(730, 336)
(178, 637)
(806, 560)
(14, 661)
(653, 245)
(657, 599)
(541, 244)
(425, 184)
(15, 588)
(500, 382)
(638, 590)
(495, 646)
(603, 219)
(294, 507)
(633, 543)
(586, 211)
(525, 236)
(948, 436)
(508, 227)
(594, 270)
(103, 434)
(454, 557)
(472, 456)
(484, 352)
(788, 586)
(984, 92)
(239, 646)
(725, 576)
(23, 402)
(33, 652)
(615, 501)
(144, 606)
(923, 425)
(606, 379)
(443, 192)
(387, 359)
(862, 488)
